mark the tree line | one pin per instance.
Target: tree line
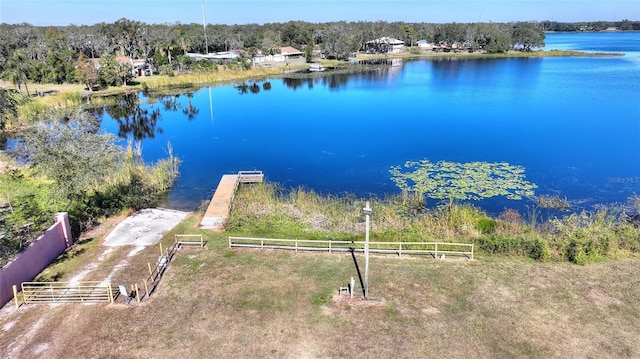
(47, 54)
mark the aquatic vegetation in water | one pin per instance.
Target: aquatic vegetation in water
(461, 181)
(553, 202)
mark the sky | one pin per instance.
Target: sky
(88, 12)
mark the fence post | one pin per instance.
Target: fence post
(471, 250)
(149, 265)
(110, 293)
(436, 250)
(15, 295)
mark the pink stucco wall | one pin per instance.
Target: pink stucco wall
(36, 257)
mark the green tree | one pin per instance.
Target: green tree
(86, 72)
(59, 67)
(295, 34)
(527, 37)
(9, 101)
(129, 35)
(461, 181)
(89, 175)
(337, 43)
(270, 43)
(308, 51)
(451, 33)
(112, 72)
(490, 38)
(72, 152)
(410, 35)
(16, 69)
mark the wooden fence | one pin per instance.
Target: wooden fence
(64, 292)
(189, 239)
(99, 292)
(166, 255)
(250, 176)
(155, 273)
(435, 249)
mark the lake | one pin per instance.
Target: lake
(573, 123)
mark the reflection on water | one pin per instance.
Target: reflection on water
(252, 87)
(170, 103)
(138, 117)
(133, 119)
(190, 111)
(368, 70)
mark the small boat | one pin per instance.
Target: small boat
(316, 67)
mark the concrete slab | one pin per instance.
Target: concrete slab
(145, 227)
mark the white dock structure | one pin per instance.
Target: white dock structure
(220, 206)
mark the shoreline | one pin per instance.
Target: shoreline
(160, 83)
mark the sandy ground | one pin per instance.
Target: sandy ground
(145, 227)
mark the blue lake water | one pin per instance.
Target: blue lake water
(573, 123)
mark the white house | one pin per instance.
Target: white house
(386, 44)
(227, 56)
(425, 45)
(139, 67)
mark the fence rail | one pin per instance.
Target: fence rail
(155, 273)
(189, 239)
(99, 292)
(250, 176)
(66, 292)
(435, 249)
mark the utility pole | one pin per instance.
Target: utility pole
(367, 212)
(204, 26)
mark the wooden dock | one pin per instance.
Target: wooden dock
(220, 205)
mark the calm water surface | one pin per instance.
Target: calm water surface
(573, 123)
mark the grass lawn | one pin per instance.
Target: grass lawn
(244, 303)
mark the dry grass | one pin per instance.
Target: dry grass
(47, 88)
(248, 303)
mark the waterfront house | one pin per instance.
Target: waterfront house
(384, 45)
(425, 45)
(289, 52)
(139, 67)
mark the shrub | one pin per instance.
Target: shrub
(576, 253)
(485, 225)
(166, 70)
(539, 250)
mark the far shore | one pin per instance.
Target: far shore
(271, 70)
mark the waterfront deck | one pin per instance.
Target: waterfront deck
(220, 206)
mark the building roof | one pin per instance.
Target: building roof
(288, 50)
(386, 40)
(134, 62)
(213, 56)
